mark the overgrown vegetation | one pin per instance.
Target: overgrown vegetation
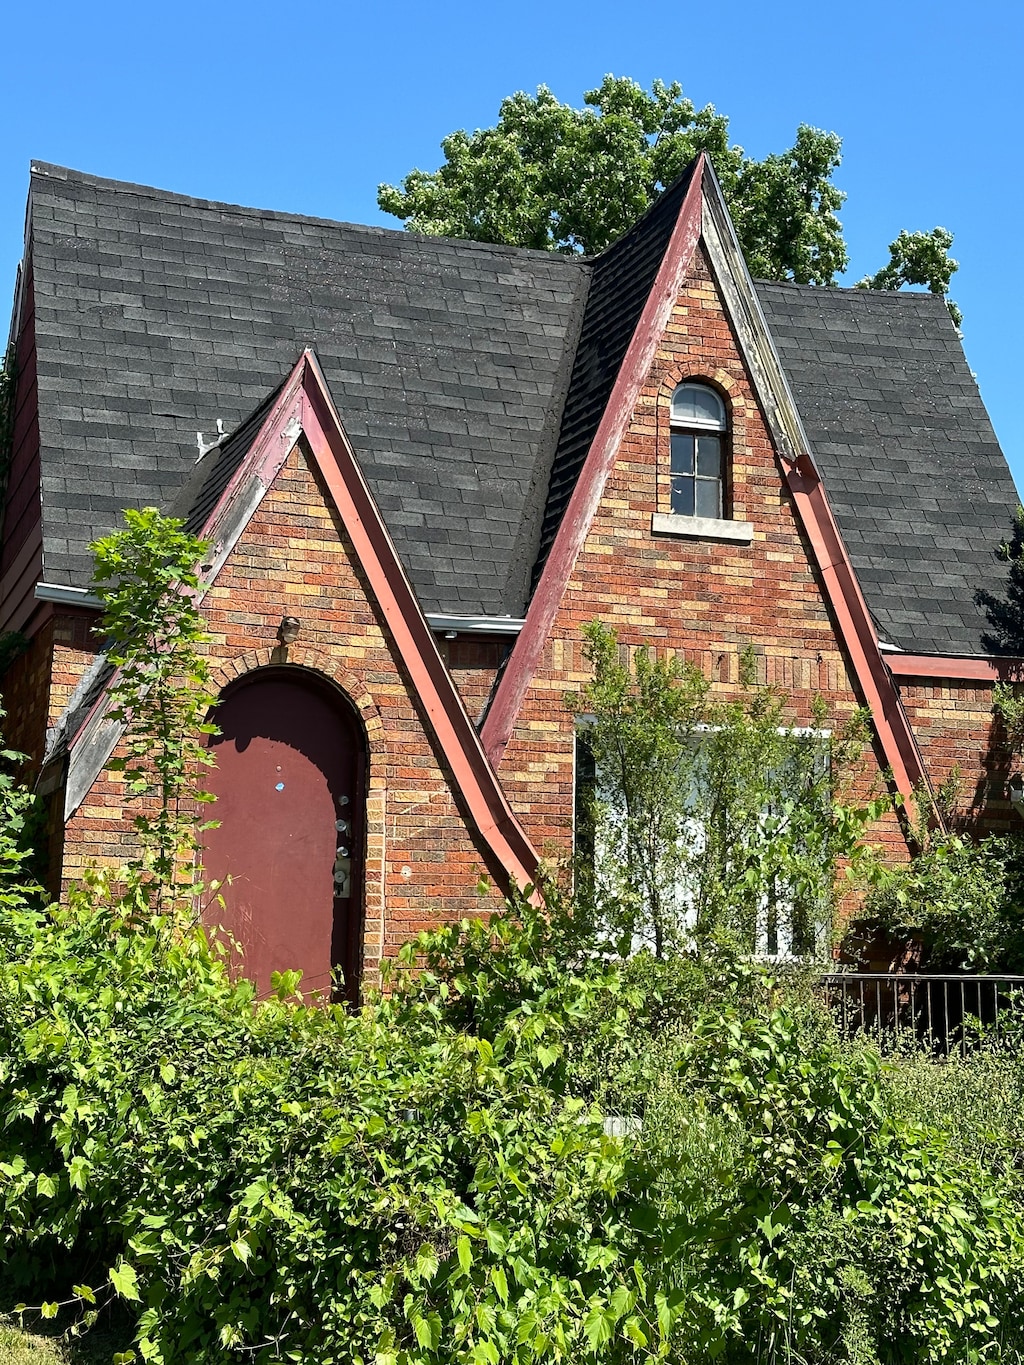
(430, 1180)
(528, 1151)
(146, 575)
(8, 376)
(960, 900)
(706, 816)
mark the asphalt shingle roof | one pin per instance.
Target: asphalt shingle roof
(470, 379)
(621, 280)
(914, 472)
(156, 314)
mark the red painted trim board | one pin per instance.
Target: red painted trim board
(590, 486)
(856, 630)
(984, 668)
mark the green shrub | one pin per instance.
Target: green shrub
(837, 1228)
(963, 899)
(279, 1182)
(428, 1180)
(819, 1203)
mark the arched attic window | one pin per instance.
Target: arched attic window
(698, 425)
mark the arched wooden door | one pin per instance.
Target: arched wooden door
(289, 783)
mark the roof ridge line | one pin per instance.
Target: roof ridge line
(67, 174)
(909, 293)
(654, 205)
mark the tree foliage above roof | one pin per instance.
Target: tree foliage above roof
(553, 177)
(919, 258)
(557, 178)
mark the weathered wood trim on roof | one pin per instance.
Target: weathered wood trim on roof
(992, 668)
(304, 409)
(748, 320)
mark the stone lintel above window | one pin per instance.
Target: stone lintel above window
(701, 528)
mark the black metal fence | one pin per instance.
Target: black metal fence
(943, 1013)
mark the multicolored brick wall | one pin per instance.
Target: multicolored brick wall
(294, 559)
(703, 600)
(37, 685)
(473, 662)
(960, 738)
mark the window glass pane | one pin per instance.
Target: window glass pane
(682, 497)
(709, 456)
(682, 453)
(697, 405)
(709, 498)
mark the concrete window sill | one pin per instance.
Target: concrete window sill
(702, 528)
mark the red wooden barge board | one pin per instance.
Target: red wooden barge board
(590, 486)
(985, 668)
(855, 627)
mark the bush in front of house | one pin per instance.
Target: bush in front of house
(275, 1181)
(429, 1179)
(960, 899)
(826, 1204)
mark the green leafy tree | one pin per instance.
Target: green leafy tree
(558, 178)
(919, 258)
(20, 829)
(709, 816)
(146, 576)
(8, 377)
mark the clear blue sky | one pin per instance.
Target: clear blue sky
(306, 108)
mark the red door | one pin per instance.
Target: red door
(289, 787)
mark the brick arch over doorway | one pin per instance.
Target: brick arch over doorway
(290, 849)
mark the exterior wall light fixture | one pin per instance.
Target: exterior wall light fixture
(288, 630)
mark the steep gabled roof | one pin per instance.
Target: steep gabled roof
(224, 496)
(472, 380)
(919, 485)
(157, 314)
(621, 282)
(703, 216)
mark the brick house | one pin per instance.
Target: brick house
(422, 465)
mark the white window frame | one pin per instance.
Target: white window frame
(695, 426)
(784, 950)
